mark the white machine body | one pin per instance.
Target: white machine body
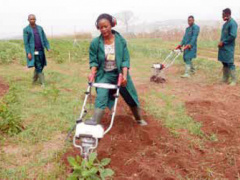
(83, 129)
(87, 135)
(157, 66)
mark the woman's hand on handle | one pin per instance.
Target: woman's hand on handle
(188, 46)
(178, 47)
(124, 80)
(91, 77)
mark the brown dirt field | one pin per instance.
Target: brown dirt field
(153, 153)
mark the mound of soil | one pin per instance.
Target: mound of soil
(157, 79)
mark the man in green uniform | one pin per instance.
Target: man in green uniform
(35, 41)
(226, 47)
(190, 49)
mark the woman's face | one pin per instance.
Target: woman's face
(105, 27)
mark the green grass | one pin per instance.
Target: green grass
(173, 114)
(11, 51)
(208, 44)
(46, 115)
(67, 51)
(10, 114)
(63, 50)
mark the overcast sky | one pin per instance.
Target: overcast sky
(63, 16)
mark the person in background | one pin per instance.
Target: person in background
(35, 41)
(190, 46)
(226, 47)
(108, 57)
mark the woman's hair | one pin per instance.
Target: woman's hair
(108, 17)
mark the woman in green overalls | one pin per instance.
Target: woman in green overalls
(108, 57)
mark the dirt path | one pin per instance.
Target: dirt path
(153, 153)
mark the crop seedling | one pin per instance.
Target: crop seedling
(91, 169)
(10, 120)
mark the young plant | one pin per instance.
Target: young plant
(10, 119)
(51, 93)
(91, 169)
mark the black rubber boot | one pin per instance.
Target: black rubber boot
(97, 117)
(233, 78)
(187, 71)
(35, 77)
(193, 69)
(42, 79)
(226, 73)
(137, 115)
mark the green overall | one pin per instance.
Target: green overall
(190, 38)
(29, 43)
(228, 36)
(39, 62)
(105, 97)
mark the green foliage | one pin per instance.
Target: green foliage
(68, 51)
(10, 120)
(173, 114)
(93, 169)
(213, 137)
(147, 51)
(63, 50)
(208, 44)
(11, 51)
(51, 92)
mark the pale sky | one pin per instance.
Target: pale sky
(62, 17)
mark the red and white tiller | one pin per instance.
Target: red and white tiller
(159, 68)
(87, 134)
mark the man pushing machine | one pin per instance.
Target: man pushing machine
(190, 46)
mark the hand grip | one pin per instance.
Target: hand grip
(178, 47)
(91, 78)
(162, 66)
(120, 78)
(186, 47)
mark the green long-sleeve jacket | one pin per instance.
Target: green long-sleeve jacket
(228, 36)
(97, 59)
(190, 37)
(29, 43)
